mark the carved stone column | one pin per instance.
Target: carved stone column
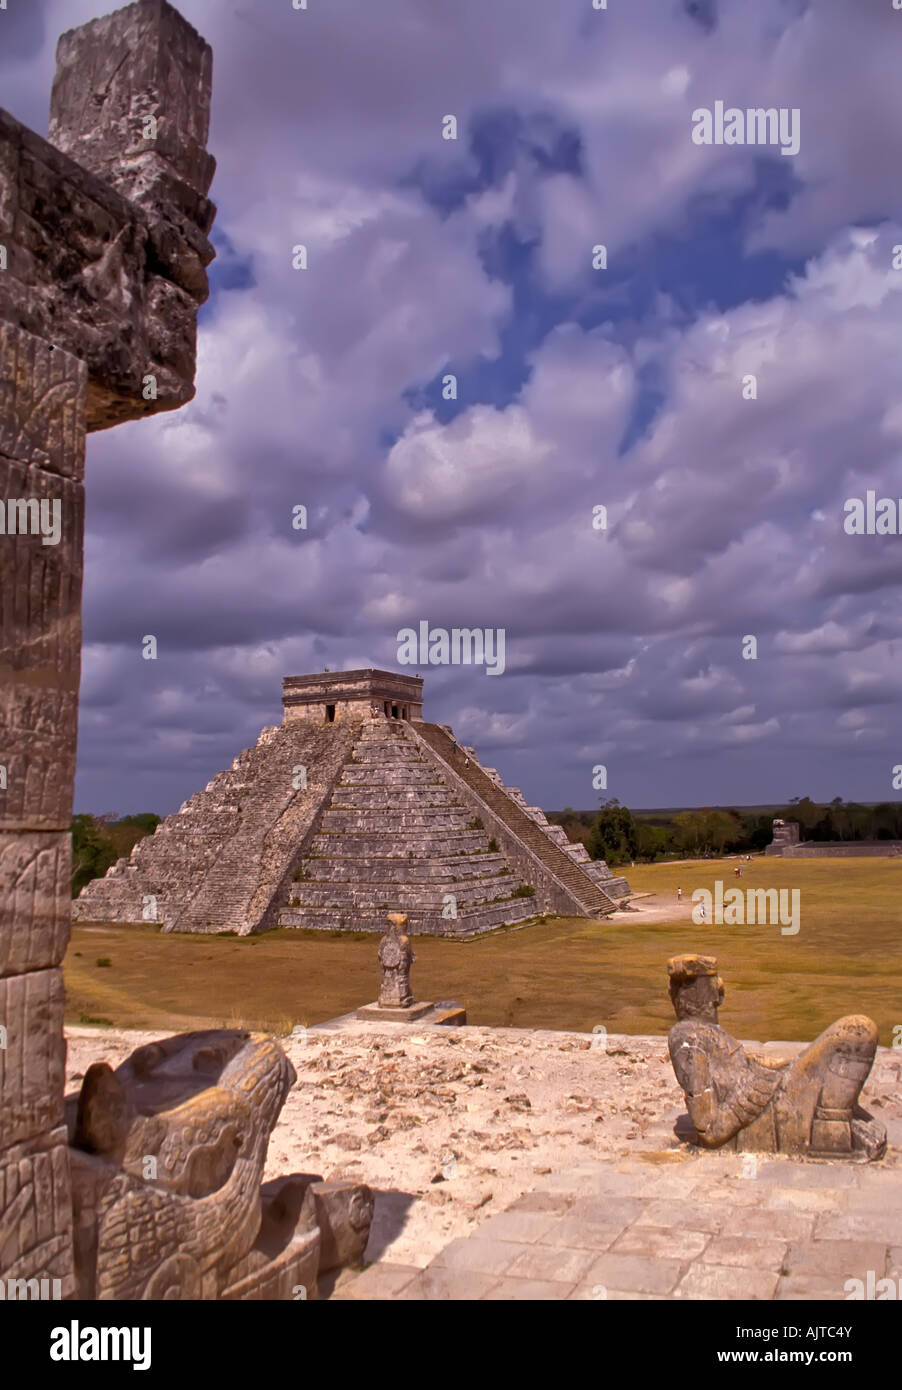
(103, 255)
(42, 446)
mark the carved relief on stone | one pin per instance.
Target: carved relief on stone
(172, 1146)
(100, 294)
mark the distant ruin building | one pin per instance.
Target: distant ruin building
(786, 838)
(351, 807)
(787, 845)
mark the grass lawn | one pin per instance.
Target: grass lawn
(563, 973)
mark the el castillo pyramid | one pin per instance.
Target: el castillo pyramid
(350, 808)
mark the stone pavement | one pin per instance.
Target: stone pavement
(667, 1225)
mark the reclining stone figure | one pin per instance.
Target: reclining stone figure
(741, 1102)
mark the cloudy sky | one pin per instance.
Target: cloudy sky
(577, 388)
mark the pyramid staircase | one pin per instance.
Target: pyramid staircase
(590, 882)
(396, 837)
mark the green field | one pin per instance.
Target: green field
(562, 973)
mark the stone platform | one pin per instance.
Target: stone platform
(646, 1216)
(458, 1130)
(446, 1013)
(375, 1013)
(698, 1227)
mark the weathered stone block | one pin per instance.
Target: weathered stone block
(449, 1015)
(376, 1013)
(637, 1274)
(172, 336)
(81, 265)
(32, 1063)
(36, 1212)
(344, 1214)
(42, 404)
(144, 60)
(555, 1263)
(9, 185)
(153, 184)
(710, 1282)
(35, 874)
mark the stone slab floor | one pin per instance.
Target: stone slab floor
(702, 1226)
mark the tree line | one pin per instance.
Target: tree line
(98, 841)
(620, 836)
(613, 833)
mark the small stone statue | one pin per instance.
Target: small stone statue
(396, 957)
(740, 1102)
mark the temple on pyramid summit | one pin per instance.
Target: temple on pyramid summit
(353, 807)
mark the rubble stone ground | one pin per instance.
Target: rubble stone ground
(513, 1163)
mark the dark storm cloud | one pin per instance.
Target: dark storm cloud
(322, 389)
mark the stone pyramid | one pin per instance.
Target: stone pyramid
(350, 808)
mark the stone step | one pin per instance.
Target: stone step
(509, 806)
(392, 822)
(401, 896)
(384, 755)
(426, 924)
(419, 843)
(616, 888)
(393, 775)
(402, 797)
(383, 869)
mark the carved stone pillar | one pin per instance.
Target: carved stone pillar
(103, 255)
(42, 446)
